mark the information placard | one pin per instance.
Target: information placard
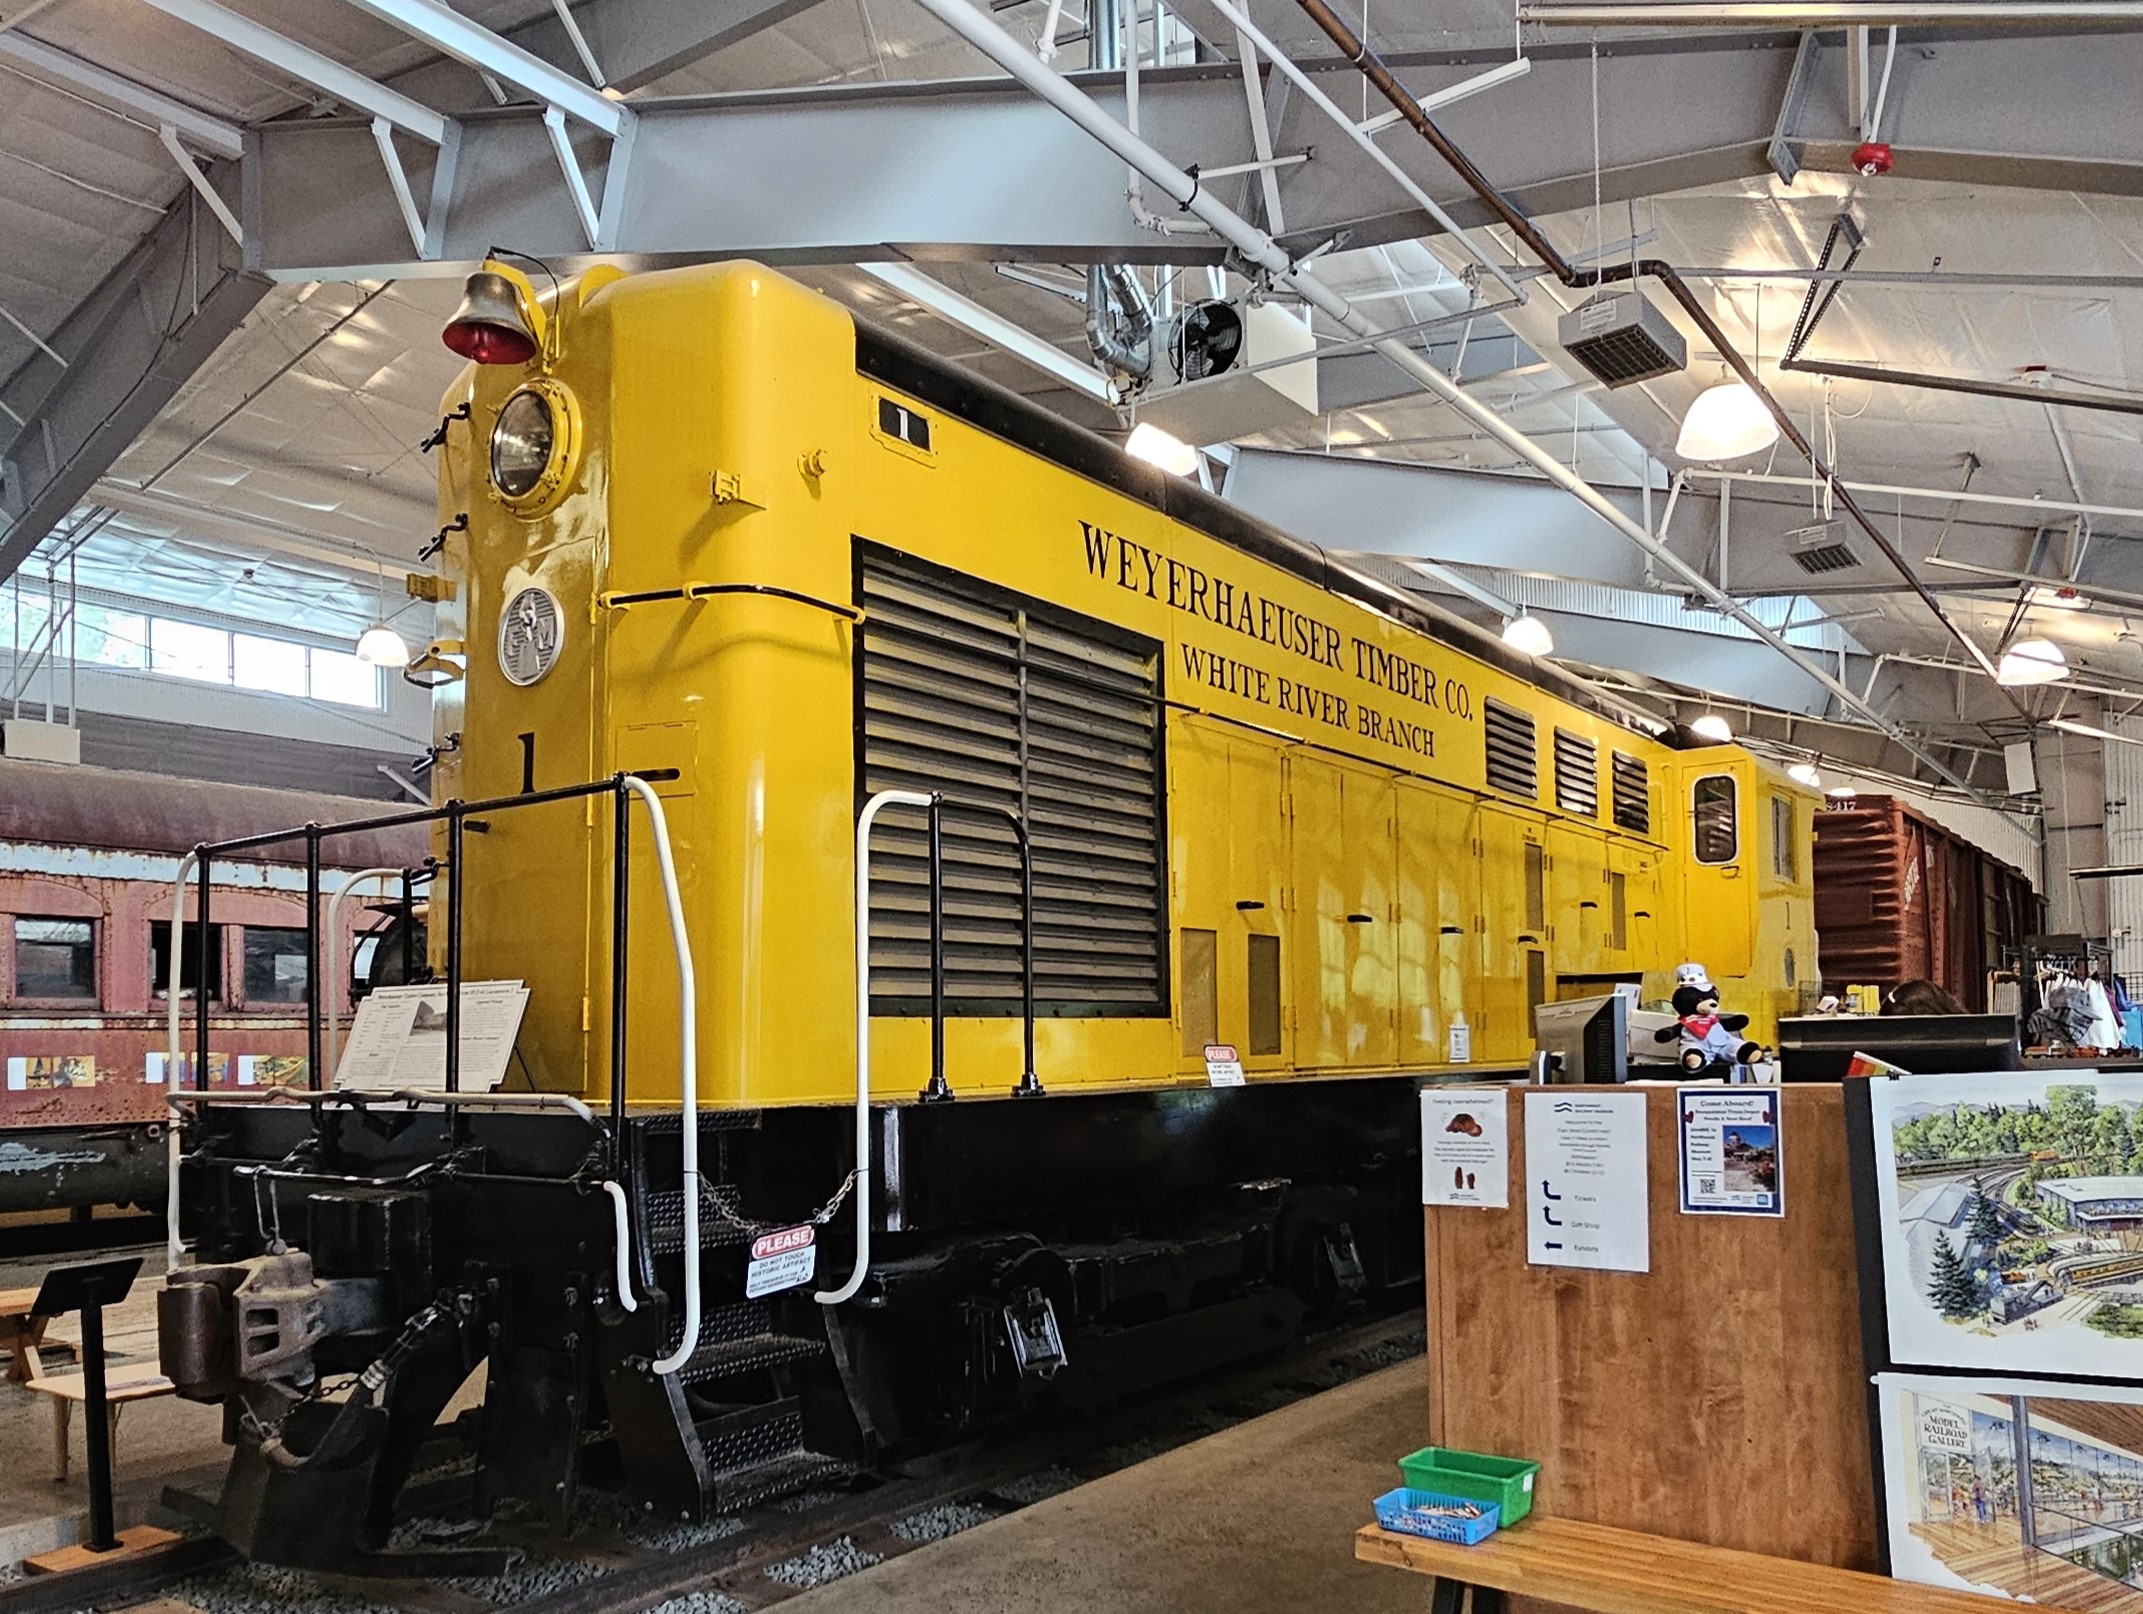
(1465, 1147)
(1586, 1185)
(1731, 1161)
(398, 1037)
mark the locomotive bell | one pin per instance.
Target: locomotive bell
(489, 327)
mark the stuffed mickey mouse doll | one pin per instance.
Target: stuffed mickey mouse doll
(1707, 1036)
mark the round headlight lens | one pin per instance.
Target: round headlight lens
(522, 444)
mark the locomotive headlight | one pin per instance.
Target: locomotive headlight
(534, 444)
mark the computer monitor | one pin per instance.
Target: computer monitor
(1817, 1048)
(1590, 1037)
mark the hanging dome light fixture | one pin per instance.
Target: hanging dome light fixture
(379, 645)
(2031, 661)
(1727, 422)
(1711, 726)
(1528, 635)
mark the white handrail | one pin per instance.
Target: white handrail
(862, 1189)
(623, 1222)
(688, 1061)
(332, 993)
(174, 1248)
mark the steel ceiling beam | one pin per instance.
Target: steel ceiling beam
(477, 47)
(992, 327)
(307, 66)
(946, 170)
(635, 41)
(199, 130)
(129, 347)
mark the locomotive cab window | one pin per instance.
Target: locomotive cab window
(1715, 803)
(1785, 855)
(189, 959)
(56, 960)
(274, 965)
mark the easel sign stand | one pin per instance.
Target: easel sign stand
(88, 1289)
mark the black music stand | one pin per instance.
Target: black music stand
(88, 1289)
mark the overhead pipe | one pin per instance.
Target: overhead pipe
(1373, 68)
(1823, 293)
(1362, 139)
(1838, 14)
(1903, 490)
(1259, 251)
(1122, 341)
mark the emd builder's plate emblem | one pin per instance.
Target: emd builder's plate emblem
(531, 630)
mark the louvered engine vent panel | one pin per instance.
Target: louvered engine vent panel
(1577, 774)
(1631, 782)
(993, 698)
(1513, 752)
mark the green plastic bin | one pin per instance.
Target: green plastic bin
(1505, 1481)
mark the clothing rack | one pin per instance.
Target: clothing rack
(2071, 973)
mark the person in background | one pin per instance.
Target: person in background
(1920, 997)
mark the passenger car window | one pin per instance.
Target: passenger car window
(56, 960)
(274, 965)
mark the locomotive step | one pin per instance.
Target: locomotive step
(663, 1220)
(735, 1339)
(757, 1452)
(799, 1470)
(718, 1358)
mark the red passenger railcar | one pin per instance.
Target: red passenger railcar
(87, 861)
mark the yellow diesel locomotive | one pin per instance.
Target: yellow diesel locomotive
(1191, 855)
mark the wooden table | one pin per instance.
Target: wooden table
(1594, 1566)
(23, 1333)
(141, 1382)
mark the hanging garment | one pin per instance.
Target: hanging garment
(2105, 1029)
(2064, 1015)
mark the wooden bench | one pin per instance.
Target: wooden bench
(139, 1382)
(1593, 1566)
(22, 1331)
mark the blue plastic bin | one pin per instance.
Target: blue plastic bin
(1408, 1511)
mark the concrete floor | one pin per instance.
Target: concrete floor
(161, 1442)
(1257, 1518)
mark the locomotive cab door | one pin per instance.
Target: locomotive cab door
(1720, 875)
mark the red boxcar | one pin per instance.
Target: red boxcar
(87, 860)
(1900, 898)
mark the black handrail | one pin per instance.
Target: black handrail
(1029, 1085)
(456, 814)
(938, 1090)
(620, 894)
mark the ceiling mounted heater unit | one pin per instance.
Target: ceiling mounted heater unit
(1621, 338)
(1821, 549)
(1232, 370)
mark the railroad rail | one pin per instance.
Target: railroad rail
(765, 1555)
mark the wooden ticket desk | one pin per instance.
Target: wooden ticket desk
(1591, 1566)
